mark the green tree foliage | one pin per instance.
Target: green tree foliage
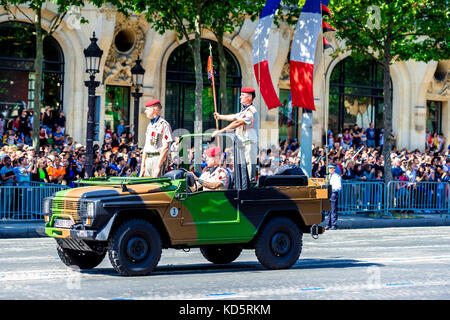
(389, 31)
(17, 9)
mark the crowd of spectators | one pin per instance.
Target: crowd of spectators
(60, 159)
(357, 154)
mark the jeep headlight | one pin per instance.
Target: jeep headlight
(87, 214)
(47, 209)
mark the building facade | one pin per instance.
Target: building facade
(350, 90)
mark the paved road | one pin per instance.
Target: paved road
(388, 263)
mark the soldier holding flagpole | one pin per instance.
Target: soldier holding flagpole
(246, 124)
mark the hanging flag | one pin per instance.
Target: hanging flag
(326, 44)
(261, 55)
(303, 53)
(326, 27)
(325, 10)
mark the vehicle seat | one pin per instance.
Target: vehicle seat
(282, 180)
(230, 180)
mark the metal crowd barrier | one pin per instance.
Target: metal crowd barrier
(361, 197)
(420, 197)
(24, 201)
(398, 196)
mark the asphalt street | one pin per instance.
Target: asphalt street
(348, 264)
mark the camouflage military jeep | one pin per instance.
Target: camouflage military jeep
(133, 219)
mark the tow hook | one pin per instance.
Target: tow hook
(315, 231)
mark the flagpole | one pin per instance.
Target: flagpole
(213, 85)
(260, 111)
(324, 102)
(214, 94)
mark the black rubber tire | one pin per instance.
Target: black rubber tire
(135, 248)
(76, 259)
(221, 254)
(279, 244)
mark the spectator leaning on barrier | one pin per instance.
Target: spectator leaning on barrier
(40, 173)
(56, 170)
(7, 172)
(23, 170)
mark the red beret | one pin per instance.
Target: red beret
(213, 151)
(248, 90)
(149, 103)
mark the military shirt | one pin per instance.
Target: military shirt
(213, 175)
(158, 133)
(249, 131)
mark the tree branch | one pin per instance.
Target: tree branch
(8, 9)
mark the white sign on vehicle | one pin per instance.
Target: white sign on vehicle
(174, 212)
(63, 223)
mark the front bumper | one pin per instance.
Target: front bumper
(67, 233)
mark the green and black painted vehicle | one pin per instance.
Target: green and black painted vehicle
(133, 219)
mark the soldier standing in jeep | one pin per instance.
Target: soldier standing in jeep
(246, 124)
(157, 141)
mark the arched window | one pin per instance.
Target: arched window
(356, 95)
(17, 54)
(180, 87)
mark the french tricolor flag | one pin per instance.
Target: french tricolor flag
(302, 54)
(260, 54)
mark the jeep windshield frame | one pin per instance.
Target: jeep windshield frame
(240, 175)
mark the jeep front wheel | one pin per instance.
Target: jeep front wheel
(135, 248)
(79, 259)
(221, 254)
(279, 244)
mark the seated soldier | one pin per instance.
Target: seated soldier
(213, 177)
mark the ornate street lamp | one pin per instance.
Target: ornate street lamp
(138, 78)
(93, 55)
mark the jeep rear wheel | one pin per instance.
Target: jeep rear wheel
(279, 244)
(79, 259)
(221, 254)
(135, 248)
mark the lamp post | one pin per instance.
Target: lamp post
(138, 78)
(92, 54)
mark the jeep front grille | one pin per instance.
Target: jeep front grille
(70, 207)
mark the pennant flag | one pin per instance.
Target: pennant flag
(326, 44)
(302, 55)
(326, 27)
(325, 10)
(210, 68)
(261, 55)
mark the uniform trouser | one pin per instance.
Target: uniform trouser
(151, 161)
(333, 215)
(251, 152)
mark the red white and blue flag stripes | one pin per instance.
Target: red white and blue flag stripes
(261, 54)
(302, 54)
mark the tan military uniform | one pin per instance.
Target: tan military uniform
(157, 135)
(248, 134)
(214, 175)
